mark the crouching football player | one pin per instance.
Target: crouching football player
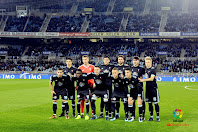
(135, 93)
(100, 90)
(82, 91)
(61, 82)
(152, 94)
(119, 91)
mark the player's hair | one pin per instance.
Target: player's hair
(85, 56)
(97, 67)
(128, 69)
(136, 58)
(148, 58)
(69, 59)
(115, 68)
(121, 56)
(107, 57)
(60, 69)
(79, 70)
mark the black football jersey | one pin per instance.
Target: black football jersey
(106, 68)
(118, 85)
(82, 81)
(150, 72)
(122, 68)
(100, 81)
(70, 71)
(61, 82)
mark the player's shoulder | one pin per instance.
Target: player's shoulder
(92, 66)
(53, 75)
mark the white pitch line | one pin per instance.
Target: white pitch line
(186, 87)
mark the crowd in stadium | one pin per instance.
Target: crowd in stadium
(37, 53)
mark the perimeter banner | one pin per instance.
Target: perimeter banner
(115, 34)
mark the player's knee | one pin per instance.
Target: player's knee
(105, 100)
(65, 101)
(54, 101)
(155, 103)
(94, 97)
(139, 102)
(113, 100)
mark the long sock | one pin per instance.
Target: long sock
(130, 108)
(93, 106)
(73, 106)
(143, 108)
(109, 105)
(101, 106)
(113, 108)
(118, 106)
(106, 104)
(78, 107)
(82, 105)
(63, 107)
(87, 107)
(151, 109)
(157, 109)
(134, 108)
(54, 107)
(66, 107)
(126, 109)
(140, 110)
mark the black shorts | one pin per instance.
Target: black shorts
(81, 94)
(60, 92)
(102, 94)
(135, 93)
(71, 94)
(118, 95)
(152, 95)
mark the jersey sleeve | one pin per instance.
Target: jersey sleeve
(153, 72)
(51, 78)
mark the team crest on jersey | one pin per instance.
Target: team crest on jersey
(146, 75)
(98, 81)
(131, 86)
(90, 69)
(81, 84)
(60, 84)
(116, 85)
(148, 71)
(62, 79)
(135, 74)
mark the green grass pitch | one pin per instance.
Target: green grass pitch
(26, 105)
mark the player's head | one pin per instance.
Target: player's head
(115, 72)
(121, 59)
(128, 73)
(78, 72)
(148, 62)
(85, 59)
(106, 60)
(97, 70)
(69, 62)
(136, 61)
(60, 72)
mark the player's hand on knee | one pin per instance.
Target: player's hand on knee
(52, 92)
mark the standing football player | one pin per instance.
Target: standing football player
(138, 72)
(121, 67)
(100, 90)
(82, 91)
(119, 91)
(107, 68)
(135, 93)
(86, 68)
(60, 89)
(70, 70)
(152, 93)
